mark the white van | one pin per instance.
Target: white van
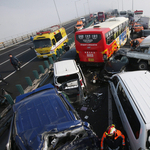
(131, 93)
(67, 70)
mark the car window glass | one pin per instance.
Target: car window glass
(66, 78)
(129, 111)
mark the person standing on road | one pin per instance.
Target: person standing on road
(31, 38)
(113, 139)
(2, 80)
(15, 62)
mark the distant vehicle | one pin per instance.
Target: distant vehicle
(44, 120)
(83, 19)
(91, 15)
(95, 15)
(115, 12)
(137, 27)
(138, 14)
(48, 41)
(79, 26)
(101, 16)
(67, 70)
(101, 40)
(144, 33)
(145, 22)
(123, 14)
(131, 91)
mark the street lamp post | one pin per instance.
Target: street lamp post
(88, 6)
(76, 8)
(57, 12)
(132, 6)
(84, 8)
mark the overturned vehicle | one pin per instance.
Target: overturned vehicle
(44, 119)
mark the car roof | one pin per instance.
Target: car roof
(65, 67)
(138, 85)
(42, 112)
(146, 41)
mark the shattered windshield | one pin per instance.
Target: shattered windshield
(42, 43)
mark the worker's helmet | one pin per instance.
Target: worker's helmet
(111, 130)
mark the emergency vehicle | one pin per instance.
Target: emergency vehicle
(48, 41)
(79, 25)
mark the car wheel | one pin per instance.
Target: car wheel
(143, 65)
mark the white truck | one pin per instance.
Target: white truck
(141, 55)
(145, 21)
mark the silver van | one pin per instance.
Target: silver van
(131, 93)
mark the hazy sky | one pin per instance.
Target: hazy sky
(19, 17)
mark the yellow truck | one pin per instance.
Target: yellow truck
(48, 41)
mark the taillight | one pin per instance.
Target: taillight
(81, 82)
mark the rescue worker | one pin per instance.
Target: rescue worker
(112, 139)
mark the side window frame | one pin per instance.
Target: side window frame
(129, 111)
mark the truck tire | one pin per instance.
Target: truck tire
(142, 65)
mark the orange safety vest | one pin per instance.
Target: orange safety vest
(117, 135)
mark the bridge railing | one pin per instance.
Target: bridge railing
(26, 37)
(16, 40)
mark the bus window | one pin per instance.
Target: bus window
(53, 41)
(114, 35)
(58, 36)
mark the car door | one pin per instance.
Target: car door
(82, 75)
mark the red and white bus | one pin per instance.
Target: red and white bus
(101, 40)
(101, 16)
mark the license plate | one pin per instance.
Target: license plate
(90, 59)
(45, 56)
(90, 55)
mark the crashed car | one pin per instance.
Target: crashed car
(44, 120)
(73, 90)
(116, 64)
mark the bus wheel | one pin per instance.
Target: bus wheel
(142, 65)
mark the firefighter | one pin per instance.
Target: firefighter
(112, 139)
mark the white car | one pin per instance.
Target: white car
(67, 70)
(83, 19)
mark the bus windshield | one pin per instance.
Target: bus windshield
(42, 43)
(100, 13)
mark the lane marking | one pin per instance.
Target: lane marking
(20, 67)
(16, 56)
(14, 48)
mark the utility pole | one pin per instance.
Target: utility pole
(57, 12)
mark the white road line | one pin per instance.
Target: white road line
(16, 56)
(21, 67)
(14, 48)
